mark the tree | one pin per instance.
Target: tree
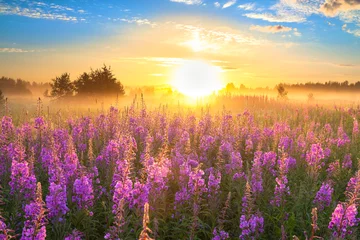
(230, 87)
(99, 81)
(2, 99)
(282, 93)
(62, 86)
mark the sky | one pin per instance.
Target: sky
(256, 43)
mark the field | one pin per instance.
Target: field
(261, 169)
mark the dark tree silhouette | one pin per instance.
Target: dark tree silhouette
(62, 86)
(282, 93)
(100, 81)
(2, 99)
(11, 86)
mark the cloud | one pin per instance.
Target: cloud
(247, 6)
(270, 29)
(15, 50)
(217, 4)
(229, 4)
(276, 18)
(296, 32)
(355, 32)
(189, 2)
(39, 10)
(138, 21)
(332, 7)
(289, 11)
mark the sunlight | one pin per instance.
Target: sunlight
(197, 78)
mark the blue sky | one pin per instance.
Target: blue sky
(314, 40)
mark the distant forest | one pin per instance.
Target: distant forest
(327, 86)
(10, 86)
(309, 86)
(102, 80)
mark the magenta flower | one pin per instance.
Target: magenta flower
(315, 156)
(256, 176)
(343, 219)
(56, 201)
(220, 234)
(323, 196)
(251, 226)
(83, 192)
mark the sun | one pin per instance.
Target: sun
(197, 78)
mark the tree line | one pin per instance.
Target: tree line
(96, 82)
(327, 86)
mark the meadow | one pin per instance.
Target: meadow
(261, 169)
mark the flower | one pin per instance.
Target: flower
(323, 196)
(342, 219)
(83, 192)
(251, 226)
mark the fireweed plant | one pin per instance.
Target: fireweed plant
(173, 173)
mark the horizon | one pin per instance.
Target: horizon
(145, 43)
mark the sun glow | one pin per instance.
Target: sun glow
(197, 78)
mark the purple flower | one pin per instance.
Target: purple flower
(214, 183)
(342, 219)
(75, 235)
(281, 189)
(40, 123)
(56, 201)
(269, 162)
(333, 167)
(83, 192)
(256, 176)
(323, 196)
(315, 156)
(34, 226)
(22, 182)
(251, 226)
(220, 235)
(347, 162)
(122, 192)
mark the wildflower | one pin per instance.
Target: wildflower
(281, 189)
(343, 218)
(347, 162)
(83, 192)
(213, 183)
(34, 227)
(75, 235)
(56, 201)
(220, 235)
(22, 181)
(315, 156)
(323, 196)
(251, 226)
(256, 177)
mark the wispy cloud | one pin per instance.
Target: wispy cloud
(15, 50)
(270, 29)
(39, 10)
(189, 2)
(217, 4)
(289, 11)
(275, 18)
(247, 6)
(355, 32)
(136, 20)
(229, 4)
